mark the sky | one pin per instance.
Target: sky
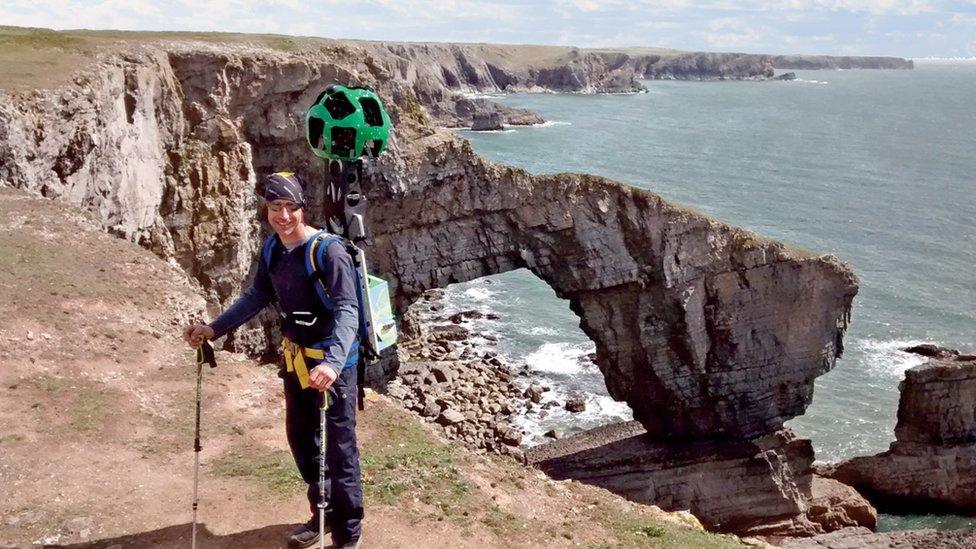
(904, 28)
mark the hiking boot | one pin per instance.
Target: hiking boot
(306, 535)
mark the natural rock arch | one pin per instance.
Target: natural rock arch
(704, 329)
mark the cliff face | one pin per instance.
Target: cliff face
(817, 62)
(442, 76)
(705, 66)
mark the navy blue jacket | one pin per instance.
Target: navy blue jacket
(288, 284)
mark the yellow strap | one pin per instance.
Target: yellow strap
(295, 359)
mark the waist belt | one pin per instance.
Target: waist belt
(295, 356)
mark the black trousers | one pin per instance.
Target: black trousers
(343, 487)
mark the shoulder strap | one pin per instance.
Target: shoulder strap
(267, 251)
(315, 260)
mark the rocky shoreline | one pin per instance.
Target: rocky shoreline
(449, 377)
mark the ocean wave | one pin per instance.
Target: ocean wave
(805, 81)
(551, 123)
(506, 129)
(478, 294)
(887, 357)
(559, 358)
(483, 95)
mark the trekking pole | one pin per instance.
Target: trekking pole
(205, 354)
(322, 504)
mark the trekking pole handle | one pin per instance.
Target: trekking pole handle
(205, 354)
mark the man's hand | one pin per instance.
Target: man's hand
(195, 334)
(321, 377)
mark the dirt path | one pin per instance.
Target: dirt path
(96, 426)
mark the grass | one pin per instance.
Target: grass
(32, 58)
(22, 38)
(633, 529)
(412, 109)
(502, 523)
(39, 58)
(12, 438)
(406, 462)
(274, 469)
(89, 410)
(73, 404)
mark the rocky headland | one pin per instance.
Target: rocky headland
(712, 335)
(832, 62)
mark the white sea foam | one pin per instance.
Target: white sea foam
(478, 294)
(600, 410)
(483, 95)
(551, 123)
(542, 331)
(559, 358)
(887, 356)
(805, 81)
(506, 129)
(605, 406)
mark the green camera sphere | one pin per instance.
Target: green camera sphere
(345, 123)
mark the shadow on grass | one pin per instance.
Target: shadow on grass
(179, 536)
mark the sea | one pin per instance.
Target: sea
(874, 166)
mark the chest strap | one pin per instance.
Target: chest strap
(295, 356)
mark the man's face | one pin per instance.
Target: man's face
(285, 217)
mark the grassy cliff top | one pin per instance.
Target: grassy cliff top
(35, 58)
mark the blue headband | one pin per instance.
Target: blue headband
(285, 185)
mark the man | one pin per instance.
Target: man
(321, 353)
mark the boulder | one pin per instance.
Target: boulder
(576, 404)
(443, 372)
(450, 417)
(533, 393)
(931, 351)
(508, 435)
(449, 332)
(834, 505)
(487, 122)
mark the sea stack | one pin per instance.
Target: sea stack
(931, 466)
